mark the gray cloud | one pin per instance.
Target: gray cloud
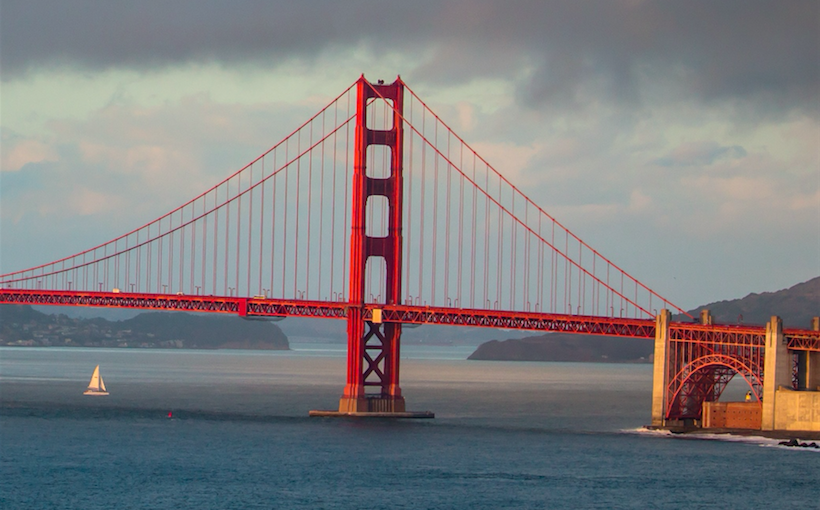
(99, 35)
(700, 154)
(763, 53)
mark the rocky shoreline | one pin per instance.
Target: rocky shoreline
(795, 438)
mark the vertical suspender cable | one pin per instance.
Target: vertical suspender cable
(513, 251)
(347, 228)
(273, 205)
(227, 236)
(285, 226)
(298, 196)
(333, 215)
(408, 218)
(251, 190)
(321, 209)
(191, 281)
(434, 253)
(486, 301)
(447, 204)
(239, 215)
(422, 215)
(309, 209)
(460, 260)
(262, 226)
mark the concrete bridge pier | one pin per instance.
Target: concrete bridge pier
(784, 408)
(777, 371)
(660, 374)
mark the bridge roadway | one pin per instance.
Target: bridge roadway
(740, 335)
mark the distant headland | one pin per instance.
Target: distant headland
(795, 305)
(24, 326)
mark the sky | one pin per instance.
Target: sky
(679, 139)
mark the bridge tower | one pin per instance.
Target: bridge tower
(372, 346)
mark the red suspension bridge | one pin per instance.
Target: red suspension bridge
(374, 211)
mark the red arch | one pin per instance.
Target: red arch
(722, 360)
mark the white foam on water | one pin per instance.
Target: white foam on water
(647, 432)
(732, 438)
(761, 441)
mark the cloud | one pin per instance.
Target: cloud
(563, 54)
(609, 173)
(154, 33)
(20, 152)
(124, 165)
(742, 198)
(699, 153)
(514, 158)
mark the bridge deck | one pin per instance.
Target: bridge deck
(798, 339)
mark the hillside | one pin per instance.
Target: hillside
(310, 330)
(22, 325)
(795, 305)
(567, 347)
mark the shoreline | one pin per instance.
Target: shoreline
(802, 435)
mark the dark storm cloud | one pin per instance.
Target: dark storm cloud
(767, 52)
(99, 35)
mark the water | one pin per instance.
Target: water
(506, 435)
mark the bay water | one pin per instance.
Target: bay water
(230, 429)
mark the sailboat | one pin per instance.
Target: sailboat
(96, 386)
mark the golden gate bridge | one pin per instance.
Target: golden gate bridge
(376, 212)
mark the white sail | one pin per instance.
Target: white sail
(96, 386)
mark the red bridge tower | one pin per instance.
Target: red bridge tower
(373, 346)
